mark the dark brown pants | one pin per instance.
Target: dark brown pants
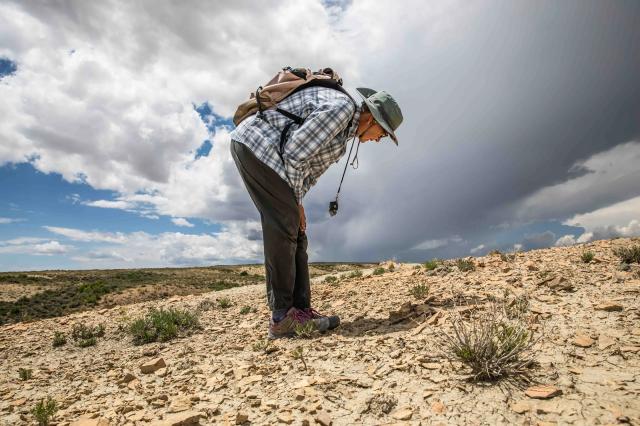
(285, 246)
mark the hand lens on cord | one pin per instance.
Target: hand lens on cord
(333, 207)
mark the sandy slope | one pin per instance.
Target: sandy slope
(372, 370)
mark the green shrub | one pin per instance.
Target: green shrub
(85, 336)
(420, 291)
(378, 271)
(44, 411)
(431, 264)
(245, 310)
(161, 325)
(465, 265)
(587, 256)
(244, 273)
(355, 274)
(224, 303)
(24, 374)
(628, 254)
(59, 339)
(331, 279)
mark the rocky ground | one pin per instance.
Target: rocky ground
(384, 365)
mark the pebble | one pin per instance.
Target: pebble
(403, 413)
(583, 341)
(153, 365)
(324, 419)
(609, 307)
(542, 392)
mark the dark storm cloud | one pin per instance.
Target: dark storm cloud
(503, 106)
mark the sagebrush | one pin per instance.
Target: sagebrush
(162, 325)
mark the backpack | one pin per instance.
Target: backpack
(283, 84)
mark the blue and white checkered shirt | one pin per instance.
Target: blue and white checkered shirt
(310, 148)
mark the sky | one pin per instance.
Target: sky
(521, 128)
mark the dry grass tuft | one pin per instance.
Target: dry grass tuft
(494, 343)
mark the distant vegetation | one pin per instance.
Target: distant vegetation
(587, 256)
(465, 265)
(58, 293)
(431, 264)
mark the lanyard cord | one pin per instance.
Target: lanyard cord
(355, 160)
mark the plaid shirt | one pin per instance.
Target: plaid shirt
(309, 149)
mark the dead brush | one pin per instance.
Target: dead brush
(491, 344)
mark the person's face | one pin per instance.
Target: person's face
(372, 130)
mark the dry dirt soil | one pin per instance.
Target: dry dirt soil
(386, 363)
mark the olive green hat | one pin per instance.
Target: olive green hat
(384, 108)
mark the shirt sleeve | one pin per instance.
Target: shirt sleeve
(321, 126)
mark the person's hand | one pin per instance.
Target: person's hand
(303, 219)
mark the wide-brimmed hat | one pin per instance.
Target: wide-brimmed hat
(384, 108)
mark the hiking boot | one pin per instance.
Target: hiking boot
(287, 326)
(323, 322)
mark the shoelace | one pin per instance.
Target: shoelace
(312, 313)
(300, 316)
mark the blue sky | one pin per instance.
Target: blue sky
(521, 128)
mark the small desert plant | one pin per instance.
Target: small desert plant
(244, 273)
(245, 310)
(59, 339)
(224, 303)
(491, 345)
(206, 305)
(628, 254)
(331, 279)
(305, 330)
(391, 268)
(85, 335)
(430, 265)
(298, 353)
(378, 271)
(419, 291)
(261, 346)
(382, 403)
(24, 374)
(465, 265)
(44, 411)
(516, 307)
(355, 274)
(161, 325)
(587, 256)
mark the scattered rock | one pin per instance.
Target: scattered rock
(542, 392)
(152, 366)
(520, 407)
(438, 407)
(604, 341)
(185, 418)
(285, 417)
(609, 307)
(583, 341)
(324, 419)
(241, 417)
(403, 413)
(85, 421)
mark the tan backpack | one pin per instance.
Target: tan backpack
(283, 84)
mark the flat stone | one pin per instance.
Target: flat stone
(85, 421)
(542, 392)
(127, 378)
(285, 417)
(583, 341)
(438, 407)
(185, 418)
(604, 341)
(152, 366)
(403, 413)
(609, 307)
(520, 407)
(241, 417)
(324, 419)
